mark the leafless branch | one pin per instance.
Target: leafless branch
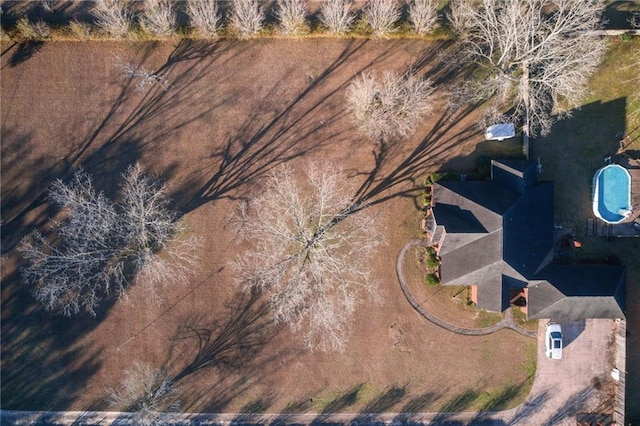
(113, 16)
(247, 17)
(158, 18)
(539, 54)
(292, 15)
(381, 15)
(146, 392)
(390, 108)
(204, 17)
(336, 15)
(99, 244)
(142, 75)
(311, 254)
(48, 5)
(423, 15)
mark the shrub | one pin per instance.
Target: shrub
(381, 15)
(390, 108)
(158, 18)
(434, 177)
(432, 260)
(336, 15)
(32, 31)
(432, 280)
(247, 17)
(291, 14)
(203, 16)
(423, 14)
(80, 30)
(113, 17)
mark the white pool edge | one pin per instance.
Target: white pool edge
(594, 195)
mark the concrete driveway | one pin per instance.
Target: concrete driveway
(579, 382)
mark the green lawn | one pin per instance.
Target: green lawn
(572, 153)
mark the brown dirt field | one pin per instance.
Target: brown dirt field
(235, 109)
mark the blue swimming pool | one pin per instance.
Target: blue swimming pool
(612, 193)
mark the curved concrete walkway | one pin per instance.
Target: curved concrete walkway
(507, 321)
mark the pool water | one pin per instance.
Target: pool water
(613, 192)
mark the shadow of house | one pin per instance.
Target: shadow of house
(497, 236)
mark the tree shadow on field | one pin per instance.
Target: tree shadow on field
(574, 405)
(347, 399)
(62, 12)
(381, 185)
(233, 347)
(21, 52)
(441, 65)
(278, 128)
(460, 402)
(43, 368)
(383, 403)
(228, 345)
(530, 407)
(417, 404)
(574, 150)
(43, 365)
(133, 124)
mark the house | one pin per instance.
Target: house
(497, 236)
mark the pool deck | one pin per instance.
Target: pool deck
(598, 228)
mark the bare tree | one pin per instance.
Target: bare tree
(292, 15)
(143, 76)
(381, 15)
(247, 17)
(99, 244)
(146, 392)
(538, 54)
(389, 108)
(312, 252)
(336, 15)
(423, 15)
(204, 17)
(113, 16)
(158, 18)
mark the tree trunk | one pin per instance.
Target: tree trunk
(525, 99)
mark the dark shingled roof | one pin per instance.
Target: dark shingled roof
(517, 175)
(528, 230)
(493, 231)
(574, 292)
(499, 235)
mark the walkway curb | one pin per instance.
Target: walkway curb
(507, 321)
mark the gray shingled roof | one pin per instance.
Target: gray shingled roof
(499, 235)
(528, 230)
(574, 292)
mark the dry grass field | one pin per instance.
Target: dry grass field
(234, 111)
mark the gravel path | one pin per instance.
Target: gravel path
(507, 321)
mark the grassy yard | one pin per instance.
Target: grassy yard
(235, 110)
(572, 153)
